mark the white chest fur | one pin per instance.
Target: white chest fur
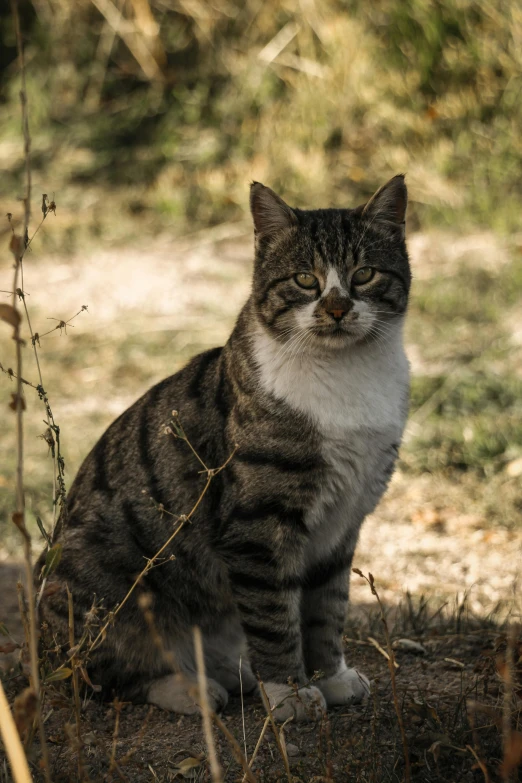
(357, 399)
(362, 386)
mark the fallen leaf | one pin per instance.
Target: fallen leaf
(87, 679)
(59, 674)
(187, 767)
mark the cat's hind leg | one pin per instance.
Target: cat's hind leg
(224, 650)
(225, 654)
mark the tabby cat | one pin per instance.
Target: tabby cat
(313, 387)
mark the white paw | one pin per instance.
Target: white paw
(347, 686)
(307, 704)
(179, 694)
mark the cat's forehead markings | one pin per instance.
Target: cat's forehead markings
(332, 281)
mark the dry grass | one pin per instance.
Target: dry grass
(164, 123)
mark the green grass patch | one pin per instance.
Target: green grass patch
(476, 423)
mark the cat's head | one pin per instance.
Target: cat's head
(330, 277)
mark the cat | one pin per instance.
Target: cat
(313, 387)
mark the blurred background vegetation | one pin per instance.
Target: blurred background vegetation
(148, 120)
(163, 110)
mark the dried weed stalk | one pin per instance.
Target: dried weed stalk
(12, 743)
(235, 747)
(215, 767)
(11, 315)
(277, 737)
(391, 666)
(76, 689)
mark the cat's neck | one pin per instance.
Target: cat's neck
(364, 383)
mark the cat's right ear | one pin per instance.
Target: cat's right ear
(389, 204)
(269, 212)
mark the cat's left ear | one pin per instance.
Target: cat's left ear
(389, 203)
(269, 211)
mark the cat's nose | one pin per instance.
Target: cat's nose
(337, 313)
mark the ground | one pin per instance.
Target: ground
(447, 530)
(450, 700)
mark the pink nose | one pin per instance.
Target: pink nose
(337, 314)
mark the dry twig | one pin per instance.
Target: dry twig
(279, 744)
(215, 767)
(76, 690)
(18, 246)
(236, 748)
(12, 742)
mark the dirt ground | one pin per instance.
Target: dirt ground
(450, 701)
(434, 537)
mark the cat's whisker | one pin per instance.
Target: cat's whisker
(382, 329)
(378, 337)
(296, 344)
(288, 346)
(299, 348)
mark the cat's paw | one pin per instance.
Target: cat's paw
(347, 686)
(304, 705)
(179, 694)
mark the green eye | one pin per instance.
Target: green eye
(363, 275)
(305, 280)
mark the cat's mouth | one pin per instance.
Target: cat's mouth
(339, 334)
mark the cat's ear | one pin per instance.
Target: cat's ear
(389, 203)
(269, 211)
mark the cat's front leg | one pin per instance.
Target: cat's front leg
(323, 607)
(265, 578)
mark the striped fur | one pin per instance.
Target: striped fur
(313, 386)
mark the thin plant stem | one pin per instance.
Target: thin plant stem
(215, 767)
(258, 744)
(12, 743)
(76, 690)
(276, 733)
(19, 516)
(47, 417)
(236, 748)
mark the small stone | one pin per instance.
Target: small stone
(408, 645)
(292, 750)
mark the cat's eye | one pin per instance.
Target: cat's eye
(363, 275)
(305, 280)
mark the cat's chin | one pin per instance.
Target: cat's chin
(336, 339)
